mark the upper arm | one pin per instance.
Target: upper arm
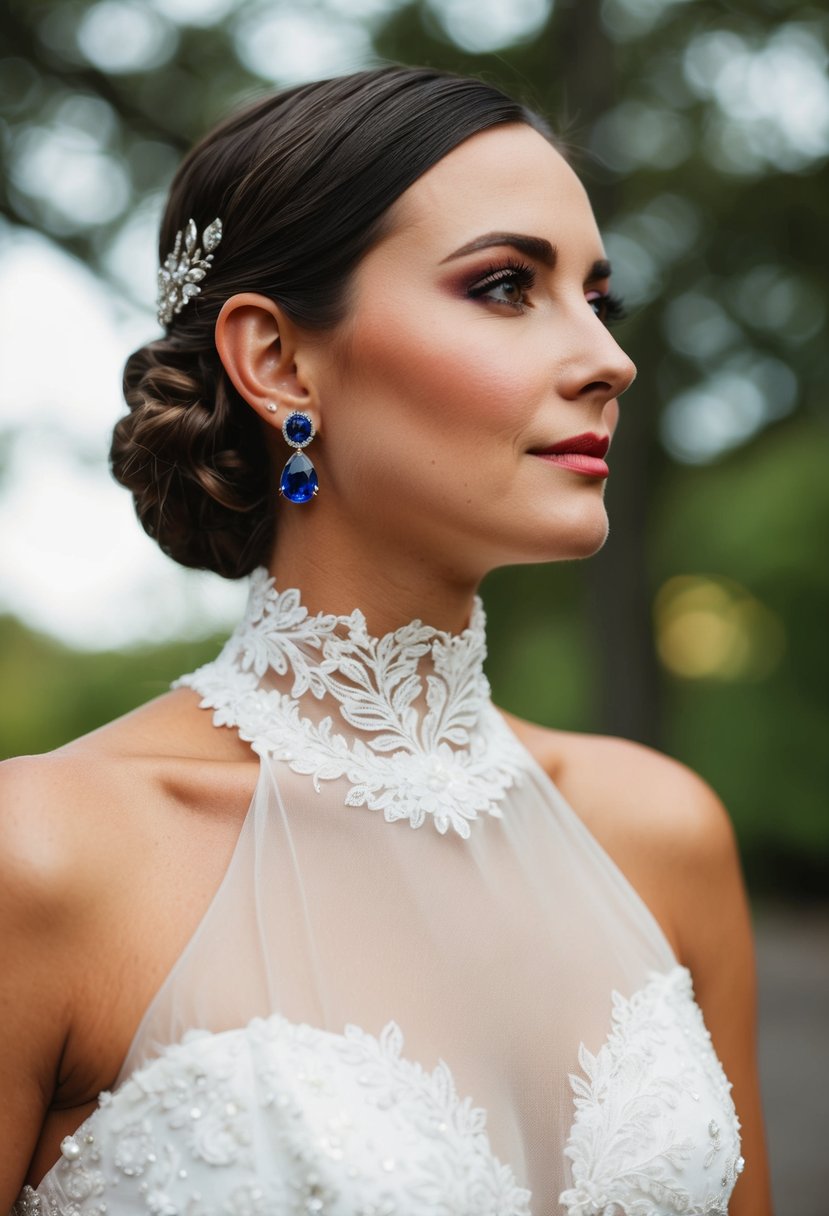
(713, 923)
(35, 896)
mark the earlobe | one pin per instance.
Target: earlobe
(255, 342)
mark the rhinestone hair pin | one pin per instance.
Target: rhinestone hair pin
(185, 267)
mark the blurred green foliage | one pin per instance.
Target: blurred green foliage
(702, 131)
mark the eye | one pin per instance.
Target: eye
(607, 307)
(507, 284)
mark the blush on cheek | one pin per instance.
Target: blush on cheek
(420, 321)
(430, 377)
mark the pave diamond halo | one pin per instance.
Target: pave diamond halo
(180, 275)
(298, 429)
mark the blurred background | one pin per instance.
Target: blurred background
(702, 132)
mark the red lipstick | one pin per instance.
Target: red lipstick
(581, 453)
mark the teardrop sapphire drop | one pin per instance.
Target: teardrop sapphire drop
(298, 482)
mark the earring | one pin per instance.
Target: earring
(271, 407)
(298, 482)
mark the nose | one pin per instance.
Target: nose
(599, 369)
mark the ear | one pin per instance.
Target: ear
(257, 346)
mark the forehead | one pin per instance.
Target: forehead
(508, 178)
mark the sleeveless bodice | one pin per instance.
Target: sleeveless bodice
(478, 1017)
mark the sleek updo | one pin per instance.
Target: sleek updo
(302, 182)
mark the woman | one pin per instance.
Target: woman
(235, 982)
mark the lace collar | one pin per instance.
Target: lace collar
(416, 735)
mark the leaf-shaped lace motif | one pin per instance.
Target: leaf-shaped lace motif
(451, 763)
(657, 1073)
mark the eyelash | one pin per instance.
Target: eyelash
(509, 272)
(611, 308)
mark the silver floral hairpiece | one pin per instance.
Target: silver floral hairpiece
(184, 268)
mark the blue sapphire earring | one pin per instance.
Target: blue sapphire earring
(299, 482)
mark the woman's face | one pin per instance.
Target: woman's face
(475, 342)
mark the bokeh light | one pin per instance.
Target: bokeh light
(712, 628)
(125, 36)
(629, 19)
(785, 304)
(634, 134)
(773, 97)
(66, 169)
(489, 25)
(288, 45)
(733, 403)
(644, 243)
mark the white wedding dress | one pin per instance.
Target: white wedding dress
(477, 1017)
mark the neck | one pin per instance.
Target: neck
(390, 588)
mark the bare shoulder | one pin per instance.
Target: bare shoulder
(618, 785)
(51, 801)
(68, 817)
(51, 810)
(662, 824)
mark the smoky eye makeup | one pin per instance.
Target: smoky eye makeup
(504, 283)
(509, 282)
(607, 306)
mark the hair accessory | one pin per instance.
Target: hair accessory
(184, 268)
(298, 482)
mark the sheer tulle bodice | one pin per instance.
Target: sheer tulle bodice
(476, 1017)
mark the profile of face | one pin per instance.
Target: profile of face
(475, 341)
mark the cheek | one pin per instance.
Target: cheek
(433, 371)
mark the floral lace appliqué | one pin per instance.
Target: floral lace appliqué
(655, 1130)
(422, 745)
(279, 1117)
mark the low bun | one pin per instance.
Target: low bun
(194, 457)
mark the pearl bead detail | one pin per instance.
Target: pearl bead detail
(70, 1148)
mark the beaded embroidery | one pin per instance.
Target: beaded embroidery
(342, 1123)
(636, 1103)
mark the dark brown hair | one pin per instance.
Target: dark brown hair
(302, 182)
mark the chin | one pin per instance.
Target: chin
(591, 542)
(551, 535)
(562, 546)
(571, 539)
(577, 551)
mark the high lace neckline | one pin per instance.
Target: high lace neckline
(405, 718)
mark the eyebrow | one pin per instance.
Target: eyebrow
(533, 246)
(599, 270)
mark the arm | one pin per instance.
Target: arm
(713, 927)
(34, 995)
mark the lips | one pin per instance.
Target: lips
(581, 453)
(583, 445)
